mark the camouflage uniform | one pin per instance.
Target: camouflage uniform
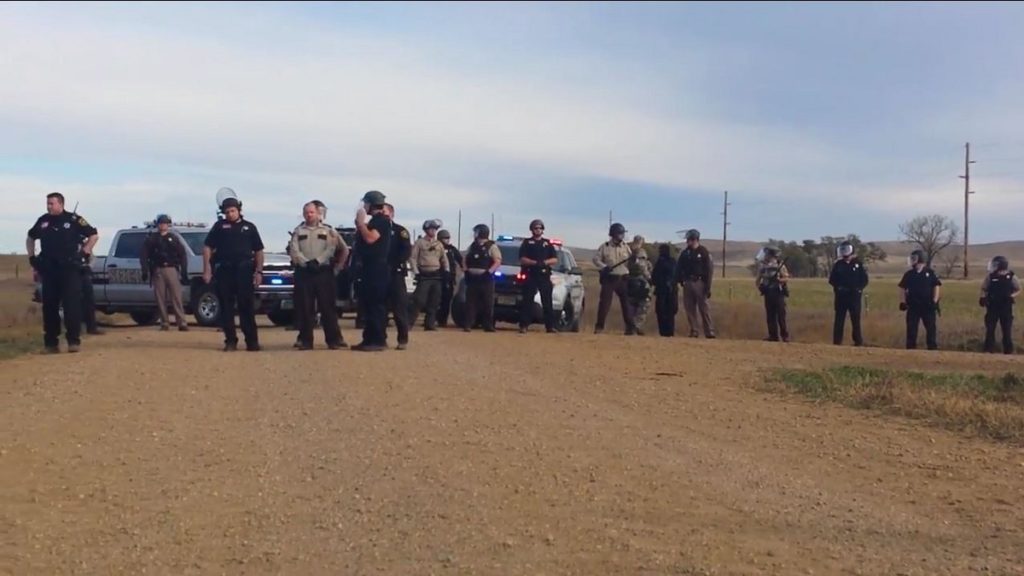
(638, 286)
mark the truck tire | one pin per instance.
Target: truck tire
(205, 306)
(143, 318)
(568, 320)
(281, 317)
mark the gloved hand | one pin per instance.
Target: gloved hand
(707, 295)
(33, 261)
(903, 306)
(983, 302)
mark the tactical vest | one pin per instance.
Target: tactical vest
(479, 256)
(1000, 287)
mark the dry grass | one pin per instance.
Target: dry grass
(976, 404)
(738, 312)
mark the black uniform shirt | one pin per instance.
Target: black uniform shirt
(694, 263)
(454, 259)
(164, 250)
(848, 275)
(920, 285)
(234, 242)
(374, 257)
(60, 236)
(538, 251)
(399, 250)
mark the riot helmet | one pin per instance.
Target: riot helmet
(998, 264)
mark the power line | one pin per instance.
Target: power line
(725, 228)
(967, 196)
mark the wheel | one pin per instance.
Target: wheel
(281, 317)
(206, 306)
(143, 318)
(568, 320)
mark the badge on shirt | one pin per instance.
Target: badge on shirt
(67, 225)
(45, 224)
(245, 228)
(226, 226)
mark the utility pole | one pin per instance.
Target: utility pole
(725, 228)
(967, 196)
(493, 231)
(459, 242)
(609, 219)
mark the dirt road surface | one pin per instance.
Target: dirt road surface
(483, 454)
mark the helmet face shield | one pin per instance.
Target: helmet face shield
(998, 264)
(844, 250)
(766, 253)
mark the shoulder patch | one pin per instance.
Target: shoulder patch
(83, 222)
(404, 234)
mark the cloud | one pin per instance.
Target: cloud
(443, 109)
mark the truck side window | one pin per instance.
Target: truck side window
(129, 245)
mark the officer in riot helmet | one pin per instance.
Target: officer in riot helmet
(772, 280)
(612, 261)
(920, 291)
(536, 257)
(482, 260)
(233, 260)
(455, 264)
(999, 291)
(373, 244)
(848, 278)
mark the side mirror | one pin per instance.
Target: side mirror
(576, 271)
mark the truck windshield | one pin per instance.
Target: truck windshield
(194, 240)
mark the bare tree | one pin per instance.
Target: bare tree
(932, 234)
(950, 262)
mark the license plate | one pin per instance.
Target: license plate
(286, 305)
(507, 300)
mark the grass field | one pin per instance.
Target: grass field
(984, 405)
(738, 311)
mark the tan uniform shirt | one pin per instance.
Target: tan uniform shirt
(611, 255)
(318, 242)
(428, 256)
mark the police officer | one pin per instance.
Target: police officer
(920, 290)
(59, 267)
(848, 278)
(398, 262)
(312, 249)
(482, 260)
(772, 277)
(164, 264)
(694, 270)
(666, 291)
(429, 262)
(233, 259)
(536, 257)
(612, 261)
(999, 290)
(455, 265)
(373, 244)
(88, 296)
(638, 285)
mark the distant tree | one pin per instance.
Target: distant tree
(932, 234)
(950, 261)
(652, 250)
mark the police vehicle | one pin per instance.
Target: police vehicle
(567, 296)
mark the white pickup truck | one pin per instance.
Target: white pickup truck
(119, 288)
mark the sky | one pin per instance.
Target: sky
(819, 119)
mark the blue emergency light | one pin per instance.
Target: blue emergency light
(277, 281)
